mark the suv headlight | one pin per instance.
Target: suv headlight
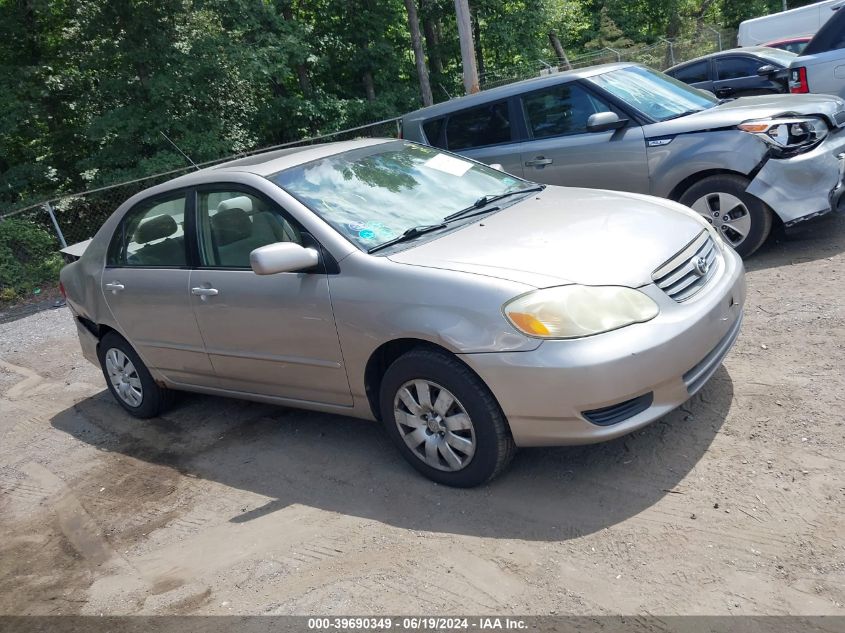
(575, 311)
(788, 133)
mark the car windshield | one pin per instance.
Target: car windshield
(657, 96)
(375, 194)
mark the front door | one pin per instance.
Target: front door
(560, 150)
(736, 76)
(145, 284)
(271, 335)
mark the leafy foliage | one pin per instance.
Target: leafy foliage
(28, 258)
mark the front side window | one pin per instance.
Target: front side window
(232, 224)
(374, 194)
(693, 73)
(152, 234)
(560, 110)
(737, 67)
(652, 93)
(477, 127)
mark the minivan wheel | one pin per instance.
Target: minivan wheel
(743, 220)
(129, 380)
(444, 420)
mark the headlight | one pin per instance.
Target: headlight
(575, 311)
(788, 132)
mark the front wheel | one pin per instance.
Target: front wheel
(444, 420)
(743, 220)
(129, 380)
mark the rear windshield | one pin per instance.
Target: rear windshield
(830, 37)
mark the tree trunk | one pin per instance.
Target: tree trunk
(562, 59)
(301, 69)
(432, 42)
(419, 55)
(369, 86)
(467, 48)
(479, 53)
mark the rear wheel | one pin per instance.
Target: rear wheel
(444, 420)
(743, 220)
(129, 380)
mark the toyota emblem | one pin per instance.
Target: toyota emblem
(701, 266)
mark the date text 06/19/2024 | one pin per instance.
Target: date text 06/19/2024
(421, 623)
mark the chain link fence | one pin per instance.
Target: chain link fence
(660, 55)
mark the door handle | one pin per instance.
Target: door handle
(205, 292)
(115, 286)
(539, 162)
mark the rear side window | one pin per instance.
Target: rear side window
(830, 37)
(736, 67)
(151, 234)
(488, 124)
(561, 110)
(434, 133)
(693, 73)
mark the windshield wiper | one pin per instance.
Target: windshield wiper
(483, 201)
(413, 232)
(680, 114)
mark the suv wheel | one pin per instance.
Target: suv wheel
(743, 220)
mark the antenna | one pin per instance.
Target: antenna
(188, 158)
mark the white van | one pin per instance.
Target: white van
(786, 24)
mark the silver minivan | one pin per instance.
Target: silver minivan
(742, 163)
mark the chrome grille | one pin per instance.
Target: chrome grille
(688, 272)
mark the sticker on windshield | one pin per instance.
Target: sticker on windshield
(366, 234)
(448, 164)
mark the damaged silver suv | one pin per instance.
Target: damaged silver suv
(738, 163)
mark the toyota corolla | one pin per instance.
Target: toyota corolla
(470, 311)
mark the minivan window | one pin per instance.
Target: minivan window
(488, 124)
(692, 73)
(560, 110)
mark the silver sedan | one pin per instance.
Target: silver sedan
(470, 311)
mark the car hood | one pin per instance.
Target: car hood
(732, 113)
(566, 235)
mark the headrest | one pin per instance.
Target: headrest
(241, 202)
(156, 228)
(230, 226)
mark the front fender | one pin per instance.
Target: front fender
(686, 155)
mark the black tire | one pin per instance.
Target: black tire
(494, 446)
(154, 399)
(758, 211)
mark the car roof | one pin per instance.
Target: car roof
(509, 90)
(752, 50)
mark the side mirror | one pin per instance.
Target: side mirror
(766, 70)
(497, 166)
(282, 257)
(603, 121)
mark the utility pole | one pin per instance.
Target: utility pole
(467, 46)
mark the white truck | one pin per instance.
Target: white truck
(803, 21)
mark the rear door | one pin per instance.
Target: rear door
(485, 133)
(273, 335)
(560, 151)
(145, 284)
(696, 74)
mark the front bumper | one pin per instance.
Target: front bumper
(648, 368)
(807, 185)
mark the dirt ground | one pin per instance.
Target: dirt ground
(731, 505)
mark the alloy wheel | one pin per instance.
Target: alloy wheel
(124, 377)
(727, 213)
(434, 425)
